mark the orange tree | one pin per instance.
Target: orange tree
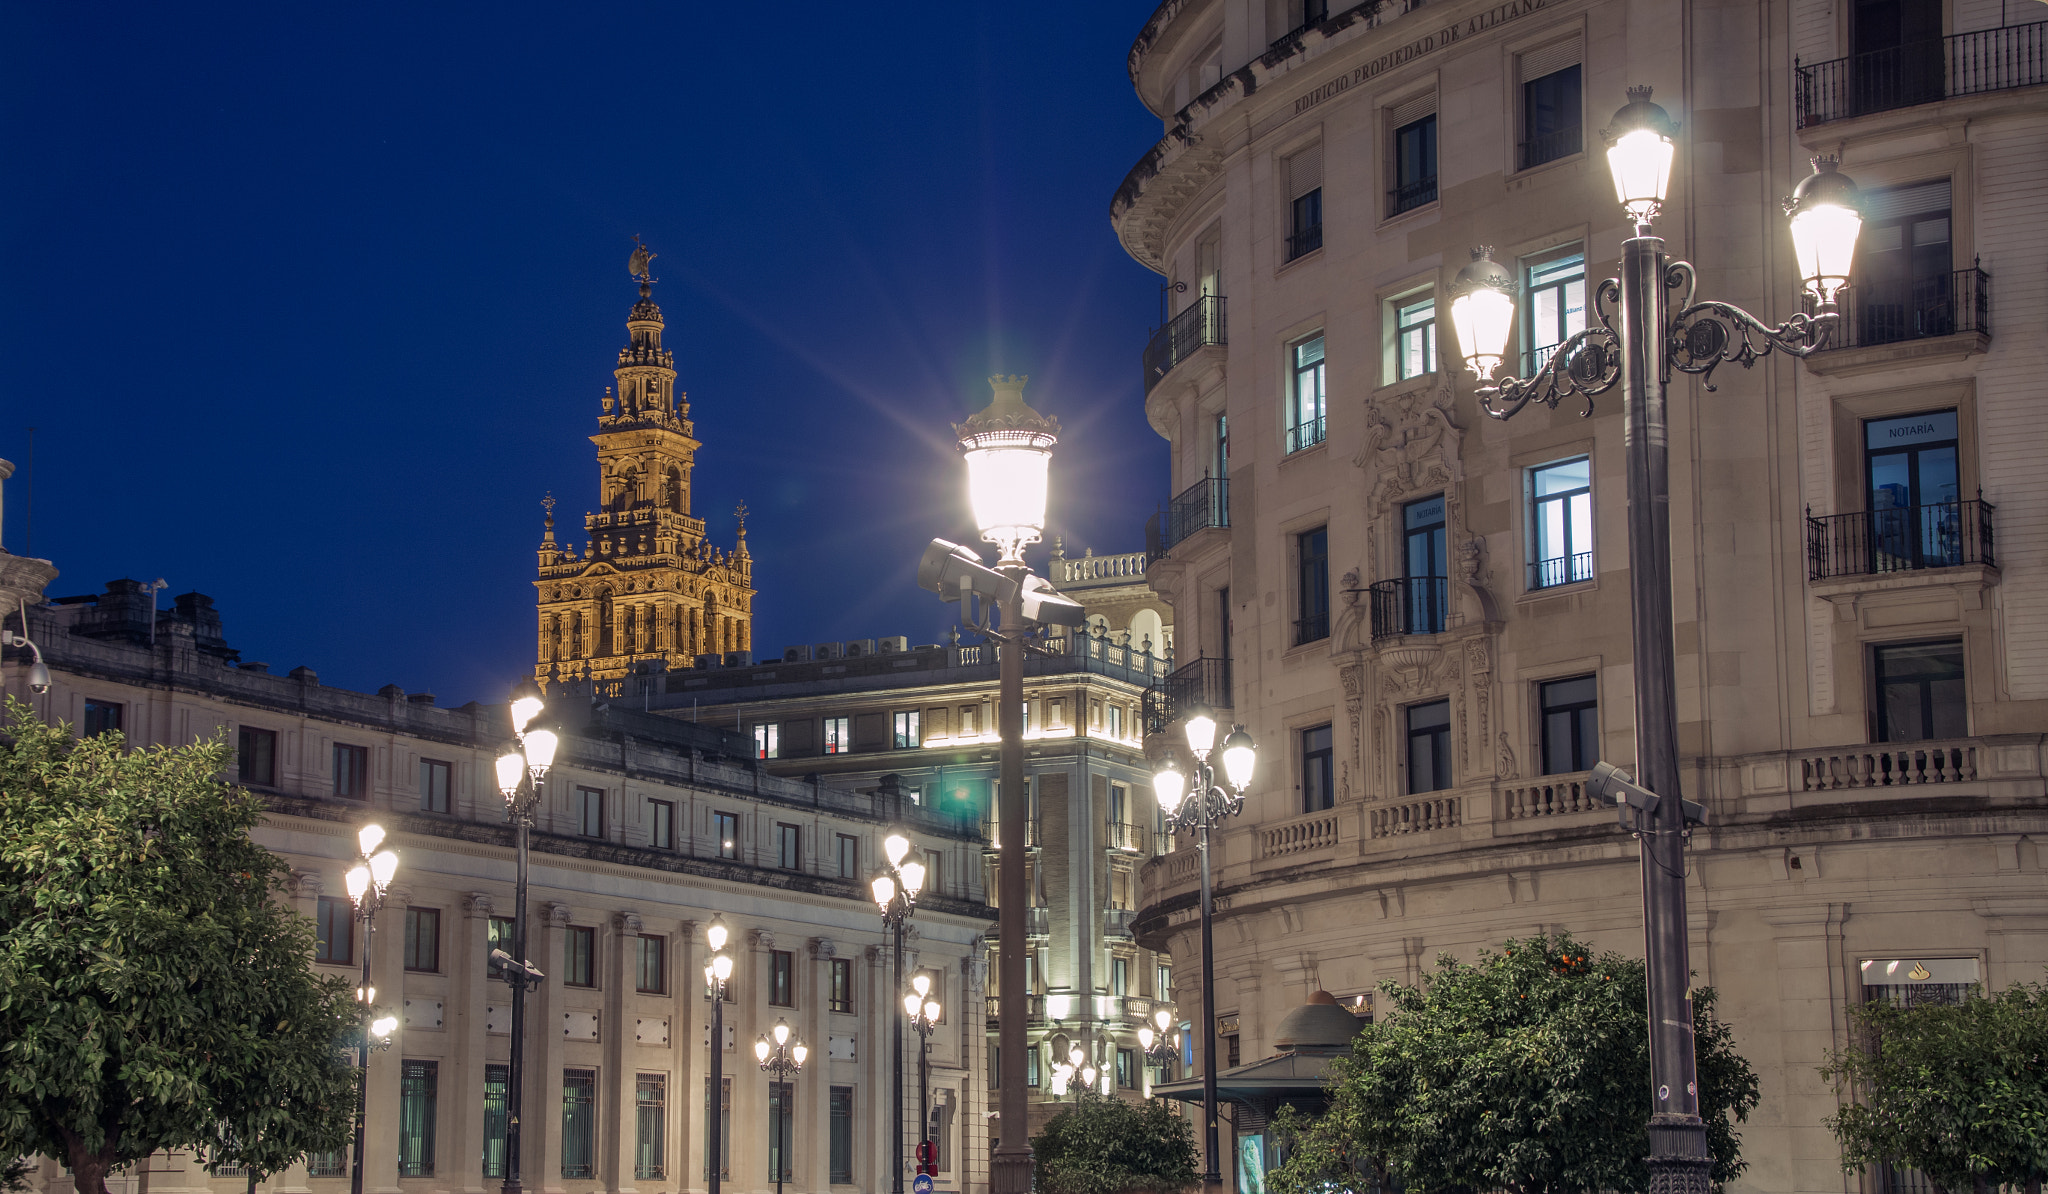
(1105, 1145)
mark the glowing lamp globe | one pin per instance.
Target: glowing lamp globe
(1239, 755)
(721, 967)
(894, 847)
(911, 1004)
(761, 1049)
(1825, 223)
(931, 1010)
(525, 705)
(922, 984)
(884, 889)
(1483, 312)
(1200, 728)
(383, 1026)
(781, 1031)
(799, 1051)
(383, 867)
(358, 881)
(1008, 447)
(1169, 785)
(913, 878)
(1145, 1037)
(511, 769)
(540, 750)
(1639, 156)
(715, 933)
(369, 837)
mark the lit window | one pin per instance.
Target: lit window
(579, 1123)
(1556, 306)
(1562, 507)
(1305, 416)
(650, 1151)
(417, 1089)
(726, 828)
(768, 742)
(907, 733)
(838, 735)
(1415, 338)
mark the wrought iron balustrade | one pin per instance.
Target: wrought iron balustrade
(1409, 605)
(1305, 434)
(1121, 835)
(1411, 196)
(1893, 312)
(1202, 323)
(1922, 73)
(1312, 627)
(1304, 241)
(1550, 147)
(1903, 539)
(1561, 570)
(1204, 504)
(1203, 681)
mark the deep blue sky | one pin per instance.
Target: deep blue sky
(309, 304)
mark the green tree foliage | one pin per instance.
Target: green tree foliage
(1104, 1145)
(153, 993)
(1959, 1092)
(1528, 1071)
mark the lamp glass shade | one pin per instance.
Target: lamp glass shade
(511, 769)
(1824, 242)
(913, 878)
(1201, 731)
(1641, 164)
(358, 880)
(721, 967)
(781, 1031)
(1239, 757)
(384, 866)
(1482, 319)
(1145, 1037)
(383, 1026)
(1007, 485)
(366, 994)
(761, 1049)
(885, 891)
(540, 749)
(1168, 784)
(525, 707)
(931, 1010)
(894, 847)
(910, 1005)
(1162, 1017)
(922, 984)
(369, 837)
(799, 1051)
(1088, 1075)
(715, 934)
(1074, 1056)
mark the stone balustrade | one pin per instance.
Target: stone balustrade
(1415, 816)
(1316, 831)
(1550, 796)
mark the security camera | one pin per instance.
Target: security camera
(1048, 607)
(38, 674)
(953, 571)
(1611, 785)
(503, 962)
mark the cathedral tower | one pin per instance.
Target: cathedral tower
(646, 584)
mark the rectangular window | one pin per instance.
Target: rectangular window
(726, 828)
(768, 742)
(650, 1127)
(1561, 505)
(907, 733)
(789, 846)
(842, 986)
(661, 824)
(781, 1130)
(258, 756)
(590, 812)
(579, 1123)
(934, 873)
(1032, 1074)
(1905, 287)
(417, 1081)
(842, 1135)
(1425, 588)
(1318, 789)
(1127, 1068)
(434, 776)
(1920, 692)
(1119, 976)
(724, 1146)
(423, 939)
(1162, 982)
(781, 978)
(1916, 520)
(650, 968)
(497, 1095)
(1312, 586)
(1231, 1058)
(498, 935)
(1116, 721)
(1414, 144)
(849, 856)
(1551, 124)
(1571, 724)
(1555, 309)
(101, 717)
(1306, 400)
(351, 772)
(1304, 173)
(326, 1164)
(838, 735)
(1429, 746)
(1414, 337)
(335, 932)
(579, 957)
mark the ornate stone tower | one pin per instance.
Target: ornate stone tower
(646, 585)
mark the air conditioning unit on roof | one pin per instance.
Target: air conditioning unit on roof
(860, 648)
(801, 653)
(895, 644)
(831, 650)
(709, 660)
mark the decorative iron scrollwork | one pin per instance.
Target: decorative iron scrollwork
(1588, 363)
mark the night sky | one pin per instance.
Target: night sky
(310, 304)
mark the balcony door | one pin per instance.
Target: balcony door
(1915, 491)
(1897, 53)
(1424, 566)
(1905, 284)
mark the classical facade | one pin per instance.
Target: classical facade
(649, 828)
(646, 585)
(1422, 615)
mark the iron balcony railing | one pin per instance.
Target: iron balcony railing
(1893, 312)
(1203, 323)
(1116, 922)
(1304, 241)
(1922, 73)
(1312, 627)
(1204, 681)
(1204, 504)
(1411, 195)
(1305, 434)
(1410, 605)
(1562, 570)
(1121, 835)
(1550, 147)
(1903, 539)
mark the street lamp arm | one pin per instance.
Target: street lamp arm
(1705, 335)
(1588, 363)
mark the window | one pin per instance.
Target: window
(768, 742)
(1220, 465)
(101, 717)
(650, 969)
(335, 931)
(417, 1081)
(1162, 982)
(326, 1164)
(907, 733)
(1414, 146)
(434, 775)
(841, 999)
(1119, 815)
(258, 756)
(351, 772)
(1231, 1057)
(781, 978)
(1561, 497)
(1920, 693)
(934, 873)
(789, 846)
(1915, 516)
(1414, 337)
(724, 1129)
(661, 824)
(1317, 789)
(1556, 306)
(1304, 174)
(842, 1135)
(423, 939)
(497, 1088)
(1119, 976)
(650, 1128)
(1429, 746)
(1127, 1068)
(726, 828)
(498, 935)
(1305, 414)
(838, 735)
(579, 957)
(579, 1123)
(781, 1130)
(590, 812)
(1312, 584)
(1032, 1074)
(1426, 591)
(1551, 124)
(849, 856)
(1116, 721)
(1904, 258)
(1571, 725)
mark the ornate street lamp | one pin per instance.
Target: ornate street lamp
(522, 775)
(895, 889)
(781, 1060)
(367, 881)
(1160, 1044)
(717, 973)
(1637, 347)
(923, 1013)
(1197, 809)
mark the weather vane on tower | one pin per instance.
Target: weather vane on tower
(639, 265)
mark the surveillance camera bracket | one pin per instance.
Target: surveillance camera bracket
(1613, 786)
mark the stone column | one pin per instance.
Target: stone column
(461, 1163)
(814, 1089)
(1810, 996)
(540, 1162)
(617, 1131)
(872, 1050)
(387, 974)
(690, 1019)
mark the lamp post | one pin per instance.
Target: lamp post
(1639, 352)
(717, 973)
(522, 775)
(923, 1013)
(1161, 1044)
(1076, 1055)
(895, 889)
(781, 1061)
(367, 881)
(1197, 809)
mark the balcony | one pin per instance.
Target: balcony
(1204, 504)
(1034, 1010)
(1549, 147)
(1305, 434)
(1561, 570)
(1411, 196)
(1032, 840)
(1926, 72)
(1130, 839)
(1203, 681)
(1202, 324)
(1304, 242)
(1905, 539)
(1116, 922)
(1410, 605)
(1877, 313)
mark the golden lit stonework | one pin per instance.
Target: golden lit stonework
(646, 586)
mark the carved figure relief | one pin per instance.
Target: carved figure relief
(1505, 764)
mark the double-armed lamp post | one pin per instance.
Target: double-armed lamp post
(717, 972)
(922, 1010)
(1638, 342)
(522, 775)
(367, 881)
(1160, 1044)
(895, 889)
(781, 1060)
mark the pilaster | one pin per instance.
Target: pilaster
(541, 1167)
(619, 1076)
(461, 1163)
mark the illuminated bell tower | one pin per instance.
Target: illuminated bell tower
(646, 585)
